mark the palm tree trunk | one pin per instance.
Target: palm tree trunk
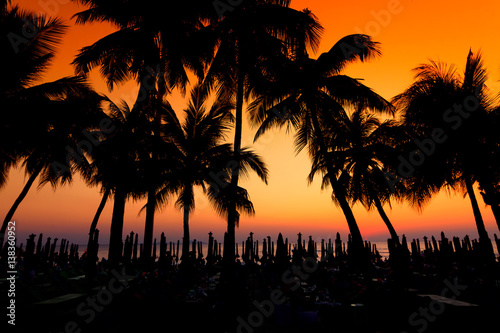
(92, 247)
(490, 198)
(484, 241)
(386, 220)
(18, 201)
(115, 236)
(151, 204)
(229, 253)
(185, 239)
(93, 226)
(149, 226)
(338, 191)
(495, 208)
(481, 229)
(357, 240)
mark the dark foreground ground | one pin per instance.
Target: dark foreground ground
(435, 295)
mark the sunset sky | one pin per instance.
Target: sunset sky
(410, 33)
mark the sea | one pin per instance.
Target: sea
(381, 248)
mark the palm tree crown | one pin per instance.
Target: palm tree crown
(360, 146)
(309, 96)
(42, 122)
(447, 114)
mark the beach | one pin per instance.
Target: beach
(264, 292)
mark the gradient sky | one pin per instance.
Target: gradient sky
(410, 33)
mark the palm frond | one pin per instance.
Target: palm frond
(113, 54)
(351, 48)
(250, 160)
(352, 93)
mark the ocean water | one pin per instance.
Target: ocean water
(381, 248)
(103, 249)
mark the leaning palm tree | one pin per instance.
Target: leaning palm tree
(251, 40)
(57, 111)
(58, 153)
(360, 144)
(202, 155)
(309, 95)
(448, 114)
(488, 173)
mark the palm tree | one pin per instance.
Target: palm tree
(67, 121)
(152, 46)
(251, 40)
(57, 112)
(199, 142)
(360, 146)
(448, 114)
(117, 165)
(309, 96)
(202, 156)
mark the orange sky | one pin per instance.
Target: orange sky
(410, 32)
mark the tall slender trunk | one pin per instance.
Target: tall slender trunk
(149, 226)
(495, 208)
(386, 220)
(18, 201)
(92, 247)
(481, 229)
(115, 236)
(93, 226)
(484, 241)
(229, 248)
(185, 239)
(490, 198)
(338, 191)
(357, 240)
(156, 99)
